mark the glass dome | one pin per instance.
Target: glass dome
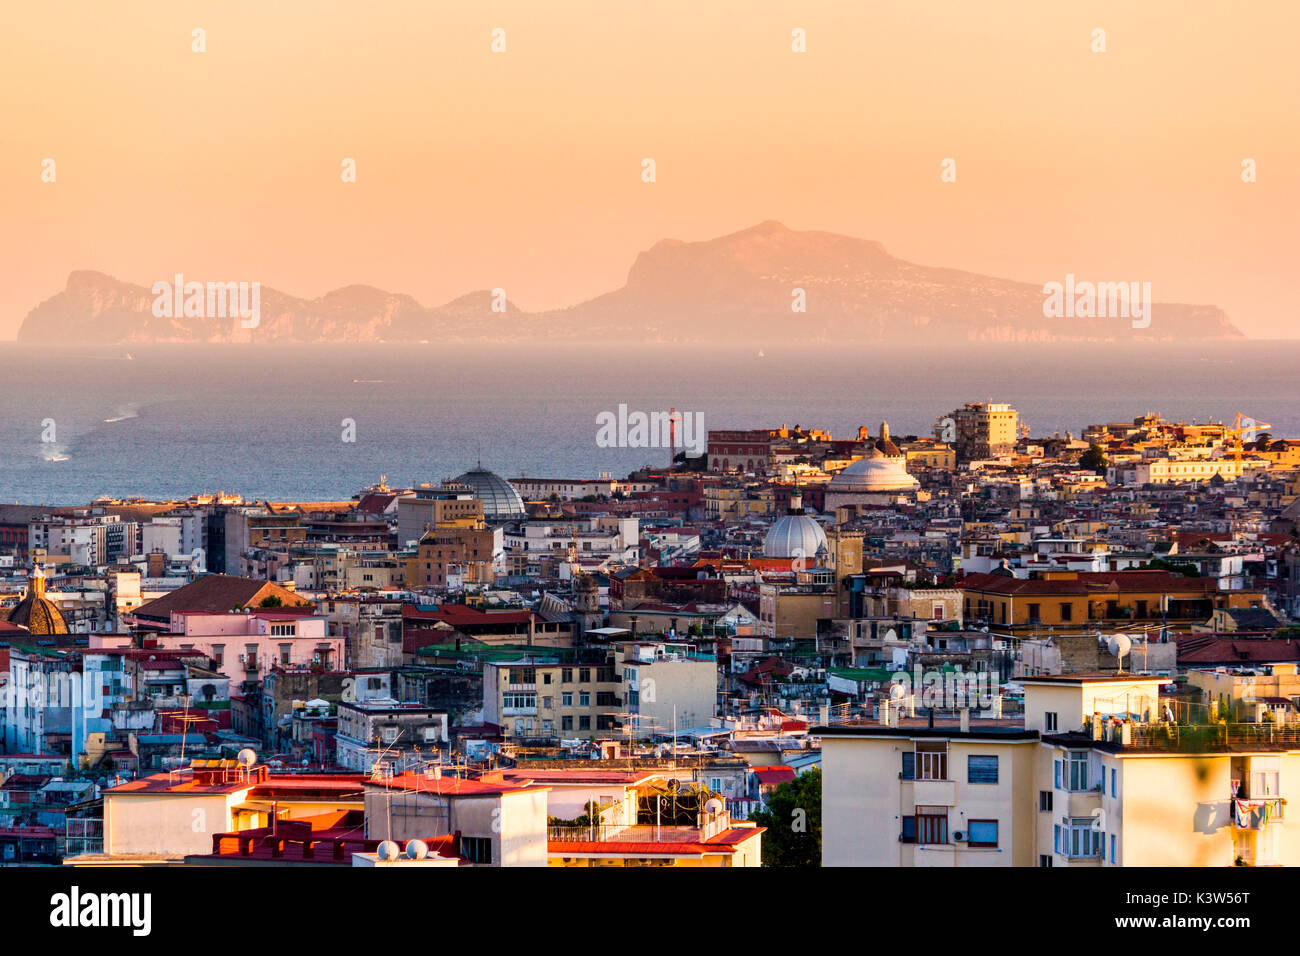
(500, 500)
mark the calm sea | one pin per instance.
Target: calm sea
(270, 422)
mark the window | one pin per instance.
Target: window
(476, 849)
(982, 833)
(1078, 762)
(1035, 614)
(284, 653)
(566, 675)
(566, 723)
(909, 830)
(980, 769)
(584, 699)
(566, 699)
(282, 630)
(1057, 775)
(1113, 855)
(1114, 783)
(1045, 801)
(584, 722)
(932, 761)
(1044, 860)
(1264, 783)
(931, 824)
(1078, 839)
(1049, 721)
(909, 765)
(1067, 611)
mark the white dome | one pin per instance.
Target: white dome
(874, 473)
(794, 536)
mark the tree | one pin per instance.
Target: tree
(1186, 569)
(794, 822)
(271, 601)
(1094, 459)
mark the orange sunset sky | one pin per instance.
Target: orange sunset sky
(522, 169)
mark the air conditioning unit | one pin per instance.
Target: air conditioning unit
(958, 836)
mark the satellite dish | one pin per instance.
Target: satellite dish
(714, 806)
(247, 757)
(1119, 645)
(388, 850)
(417, 850)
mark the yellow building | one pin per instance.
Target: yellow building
(1077, 597)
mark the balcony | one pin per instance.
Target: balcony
(711, 824)
(1256, 814)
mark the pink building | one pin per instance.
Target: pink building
(246, 645)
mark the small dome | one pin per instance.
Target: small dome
(795, 536)
(885, 445)
(36, 612)
(500, 500)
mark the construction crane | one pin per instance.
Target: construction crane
(1237, 432)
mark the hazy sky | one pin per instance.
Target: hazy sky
(522, 169)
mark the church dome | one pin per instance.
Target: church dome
(36, 612)
(500, 500)
(874, 472)
(795, 535)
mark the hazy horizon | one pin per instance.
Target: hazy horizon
(522, 169)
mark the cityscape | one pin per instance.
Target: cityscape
(801, 440)
(777, 648)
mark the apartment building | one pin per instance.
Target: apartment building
(438, 506)
(468, 552)
(667, 685)
(536, 697)
(246, 646)
(388, 732)
(1075, 598)
(1097, 774)
(981, 430)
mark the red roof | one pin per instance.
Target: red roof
(772, 776)
(462, 615)
(1211, 649)
(455, 786)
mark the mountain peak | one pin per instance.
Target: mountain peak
(751, 283)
